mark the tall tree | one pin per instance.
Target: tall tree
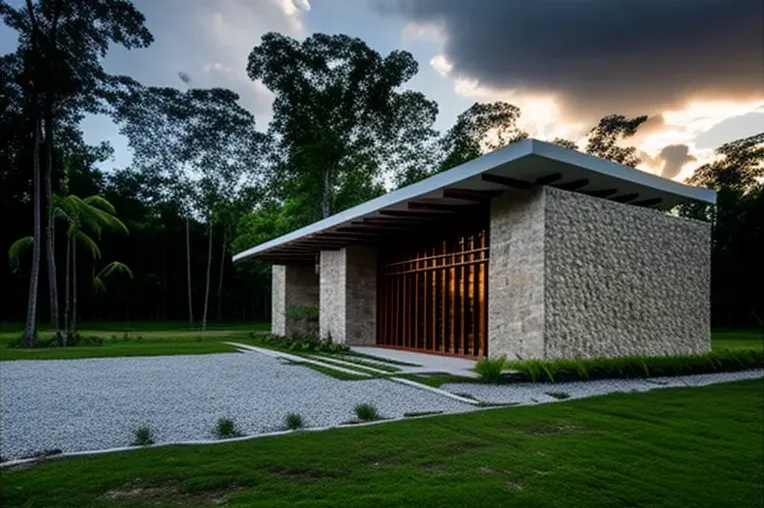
(201, 144)
(737, 174)
(61, 45)
(339, 112)
(604, 137)
(481, 128)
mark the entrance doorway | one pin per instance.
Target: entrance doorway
(432, 291)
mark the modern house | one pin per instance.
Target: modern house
(532, 250)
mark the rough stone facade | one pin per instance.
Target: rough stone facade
(292, 286)
(623, 280)
(349, 295)
(573, 276)
(516, 275)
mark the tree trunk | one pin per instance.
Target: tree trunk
(188, 273)
(50, 249)
(209, 265)
(220, 280)
(66, 288)
(326, 201)
(30, 327)
(74, 287)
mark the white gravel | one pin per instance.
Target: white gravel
(537, 393)
(95, 404)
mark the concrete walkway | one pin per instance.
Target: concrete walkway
(426, 363)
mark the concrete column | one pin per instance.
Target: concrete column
(292, 286)
(348, 296)
(516, 275)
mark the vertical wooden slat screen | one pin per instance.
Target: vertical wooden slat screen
(433, 291)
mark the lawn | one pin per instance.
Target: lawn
(737, 339)
(135, 339)
(175, 338)
(672, 448)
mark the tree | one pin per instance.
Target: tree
(737, 174)
(91, 214)
(481, 128)
(203, 148)
(572, 145)
(604, 137)
(59, 71)
(338, 114)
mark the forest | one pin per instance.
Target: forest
(153, 241)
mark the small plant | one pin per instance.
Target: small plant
(366, 412)
(559, 395)
(293, 421)
(226, 428)
(490, 369)
(143, 436)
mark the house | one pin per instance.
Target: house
(532, 250)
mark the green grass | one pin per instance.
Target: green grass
(145, 339)
(737, 339)
(700, 447)
(337, 374)
(563, 370)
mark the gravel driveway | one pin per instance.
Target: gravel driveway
(76, 405)
(97, 403)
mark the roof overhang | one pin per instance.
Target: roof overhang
(524, 164)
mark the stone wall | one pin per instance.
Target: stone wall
(623, 280)
(292, 286)
(333, 295)
(516, 275)
(349, 295)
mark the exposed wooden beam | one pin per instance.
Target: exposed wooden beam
(479, 196)
(575, 184)
(415, 213)
(507, 182)
(648, 202)
(397, 220)
(602, 193)
(546, 180)
(428, 205)
(625, 198)
(360, 226)
(354, 234)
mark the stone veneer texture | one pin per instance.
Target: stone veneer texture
(516, 275)
(291, 286)
(348, 298)
(623, 280)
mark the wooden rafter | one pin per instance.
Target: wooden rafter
(550, 178)
(575, 184)
(507, 182)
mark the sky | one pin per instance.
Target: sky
(696, 67)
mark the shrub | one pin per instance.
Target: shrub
(293, 421)
(490, 369)
(301, 343)
(226, 428)
(635, 366)
(366, 412)
(143, 436)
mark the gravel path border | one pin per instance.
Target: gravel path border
(538, 393)
(95, 404)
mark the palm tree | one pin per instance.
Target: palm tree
(83, 216)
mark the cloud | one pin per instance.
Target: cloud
(441, 64)
(674, 157)
(601, 56)
(231, 28)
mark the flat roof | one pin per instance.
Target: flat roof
(523, 165)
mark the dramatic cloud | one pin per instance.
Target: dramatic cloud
(600, 56)
(674, 157)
